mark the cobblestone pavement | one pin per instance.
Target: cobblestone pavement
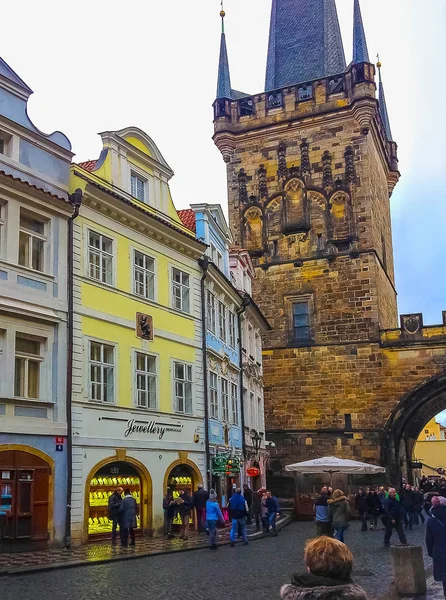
(253, 572)
(102, 552)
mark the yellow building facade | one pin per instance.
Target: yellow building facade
(430, 448)
(138, 397)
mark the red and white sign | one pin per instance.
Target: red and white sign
(253, 472)
(60, 439)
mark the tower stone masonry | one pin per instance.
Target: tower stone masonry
(311, 166)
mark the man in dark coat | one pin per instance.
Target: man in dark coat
(362, 506)
(127, 523)
(436, 541)
(169, 514)
(114, 504)
(200, 498)
(257, 506)
(186, 505)
(418, 501)
(247, 494)
(407, 501)
(394, 516)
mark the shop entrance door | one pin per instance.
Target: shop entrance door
(24, 496)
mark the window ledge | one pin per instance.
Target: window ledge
(20, 400)
(47, 278)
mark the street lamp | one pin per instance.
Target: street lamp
(256, 439)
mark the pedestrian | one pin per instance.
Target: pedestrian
(213, 516)
(394, 518)
(169, 507)
(200, 498)
(128, 511)
(238, 510)
(114, 504)
(339, 512)
(264, 512)
(362, 506)
(417, 508)
(328, 576)
(323, 525)
(257, 506)
(374, 508)
(436, 540)
(407, 501)
(248, 496)
(185, 507)
(272, 505)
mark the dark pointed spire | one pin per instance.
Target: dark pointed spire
(304, 42)
(224, 77)
(383, 106)
(360, 52)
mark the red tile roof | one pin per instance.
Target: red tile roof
(187, 217)
(88, 165)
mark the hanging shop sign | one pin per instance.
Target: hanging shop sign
(144, 326)
(225, 465)
(253, 472)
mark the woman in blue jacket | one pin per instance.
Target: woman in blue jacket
(436, 541)
(213, 516)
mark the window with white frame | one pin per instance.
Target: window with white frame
(234, 403)
(224, 399)
(28, 361)
(145, 380)
(259, 426)
(251, 349)
(180, 290)
(210, 311)
(222, 321)
(138, 187)
(183, 388)
(32, 241)
(102, 372)
(258, 349)
(100, 257)
(144, 275)
(232, 329)
(2, 225)
(252, 409)
(213, 394)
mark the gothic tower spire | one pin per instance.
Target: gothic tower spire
(382, 105)
(304, 42)
(360, 51)
(224, 77)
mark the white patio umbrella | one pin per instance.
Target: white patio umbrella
(332, 464)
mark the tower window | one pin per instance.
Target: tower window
(305, 92)
(301, 321)
(246, 107)
(275, 100)
(384, 253)
(348, 422)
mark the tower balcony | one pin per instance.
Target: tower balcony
(306, 100)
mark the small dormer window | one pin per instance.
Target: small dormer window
(138, 186)
(5, 143)
(2, 146)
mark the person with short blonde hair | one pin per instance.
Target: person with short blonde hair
(329, 565)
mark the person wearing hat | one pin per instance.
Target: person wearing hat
(436, 540)
(200, 498)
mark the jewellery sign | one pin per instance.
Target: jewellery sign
(133, 426)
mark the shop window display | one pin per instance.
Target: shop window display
(102, 486)
(181, 478)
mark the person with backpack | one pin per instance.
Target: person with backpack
(114, 505)
(436, 540)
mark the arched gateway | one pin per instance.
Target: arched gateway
(406, 423)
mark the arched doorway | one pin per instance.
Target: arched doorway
(26, 493)
(102, 481)
(407, 422)
(182, 476)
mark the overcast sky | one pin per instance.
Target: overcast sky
(100, 65)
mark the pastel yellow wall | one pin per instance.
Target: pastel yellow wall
(433, 428)
(432, 454)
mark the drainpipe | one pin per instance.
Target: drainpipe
(76, 201)
(245, 303)
(204, 264)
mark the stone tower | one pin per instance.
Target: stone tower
(311, 165)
